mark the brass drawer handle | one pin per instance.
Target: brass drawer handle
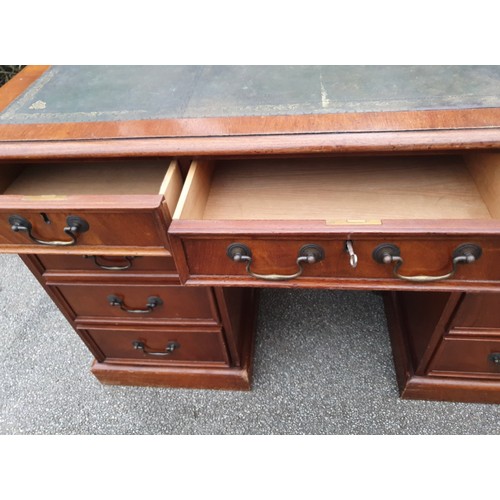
(238, 252)
(386, 253)
(171, 347)
(76, 225)
(151, 305)
(111, 268)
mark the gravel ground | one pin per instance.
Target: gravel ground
(312, 375)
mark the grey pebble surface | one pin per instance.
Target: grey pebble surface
(323, 365)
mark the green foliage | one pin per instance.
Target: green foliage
(7, 72)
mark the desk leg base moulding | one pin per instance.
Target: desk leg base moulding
(231, 379)
(446, 346)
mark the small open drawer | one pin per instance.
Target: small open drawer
(428, 221)
(88, 206)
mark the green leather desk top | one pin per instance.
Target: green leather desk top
(66, 94)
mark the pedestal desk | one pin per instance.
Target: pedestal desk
(152, 203)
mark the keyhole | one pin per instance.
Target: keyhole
(45, 218)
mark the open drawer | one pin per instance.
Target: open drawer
(88, 206)
(398, 222)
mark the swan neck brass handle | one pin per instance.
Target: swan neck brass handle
(75, 226)
(388, 253)
(151, 305)
(308, 254)
(169, 349)
(124, 267)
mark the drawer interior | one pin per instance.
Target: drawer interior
(344, 188)
(110, 177)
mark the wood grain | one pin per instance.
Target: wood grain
(462, 119)
(461, 357)
(206, 262)
(196, 345)
(195, 192)
(263, 145)
(143, 265)
(99, 178)
(199, 371)
(281, 134)
(452, 205)
(485, 169)
(207, 377)
(8, 175)
(201, 376)
(108, 228)
(172, 186)
(478, 312)
(358, 189)
(466, 386)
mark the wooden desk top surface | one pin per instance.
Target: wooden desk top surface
(242, 110)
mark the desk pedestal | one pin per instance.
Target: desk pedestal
(446, 346)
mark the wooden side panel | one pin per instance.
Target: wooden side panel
(196, 190)
(171, 187)
(485, 169)
(421, 314)
(236, 307)
(8, 174)
(36, 268)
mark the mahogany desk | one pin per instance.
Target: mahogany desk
(151, 203)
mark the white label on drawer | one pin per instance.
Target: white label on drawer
(348, 222)
(45, 197)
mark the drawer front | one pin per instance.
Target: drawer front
(478, 311)
(78, 206)
(106, 264)
(205, 259)
(128, 228)
(140, 303)
(468, 355)
(160, 346)
(421, 208)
